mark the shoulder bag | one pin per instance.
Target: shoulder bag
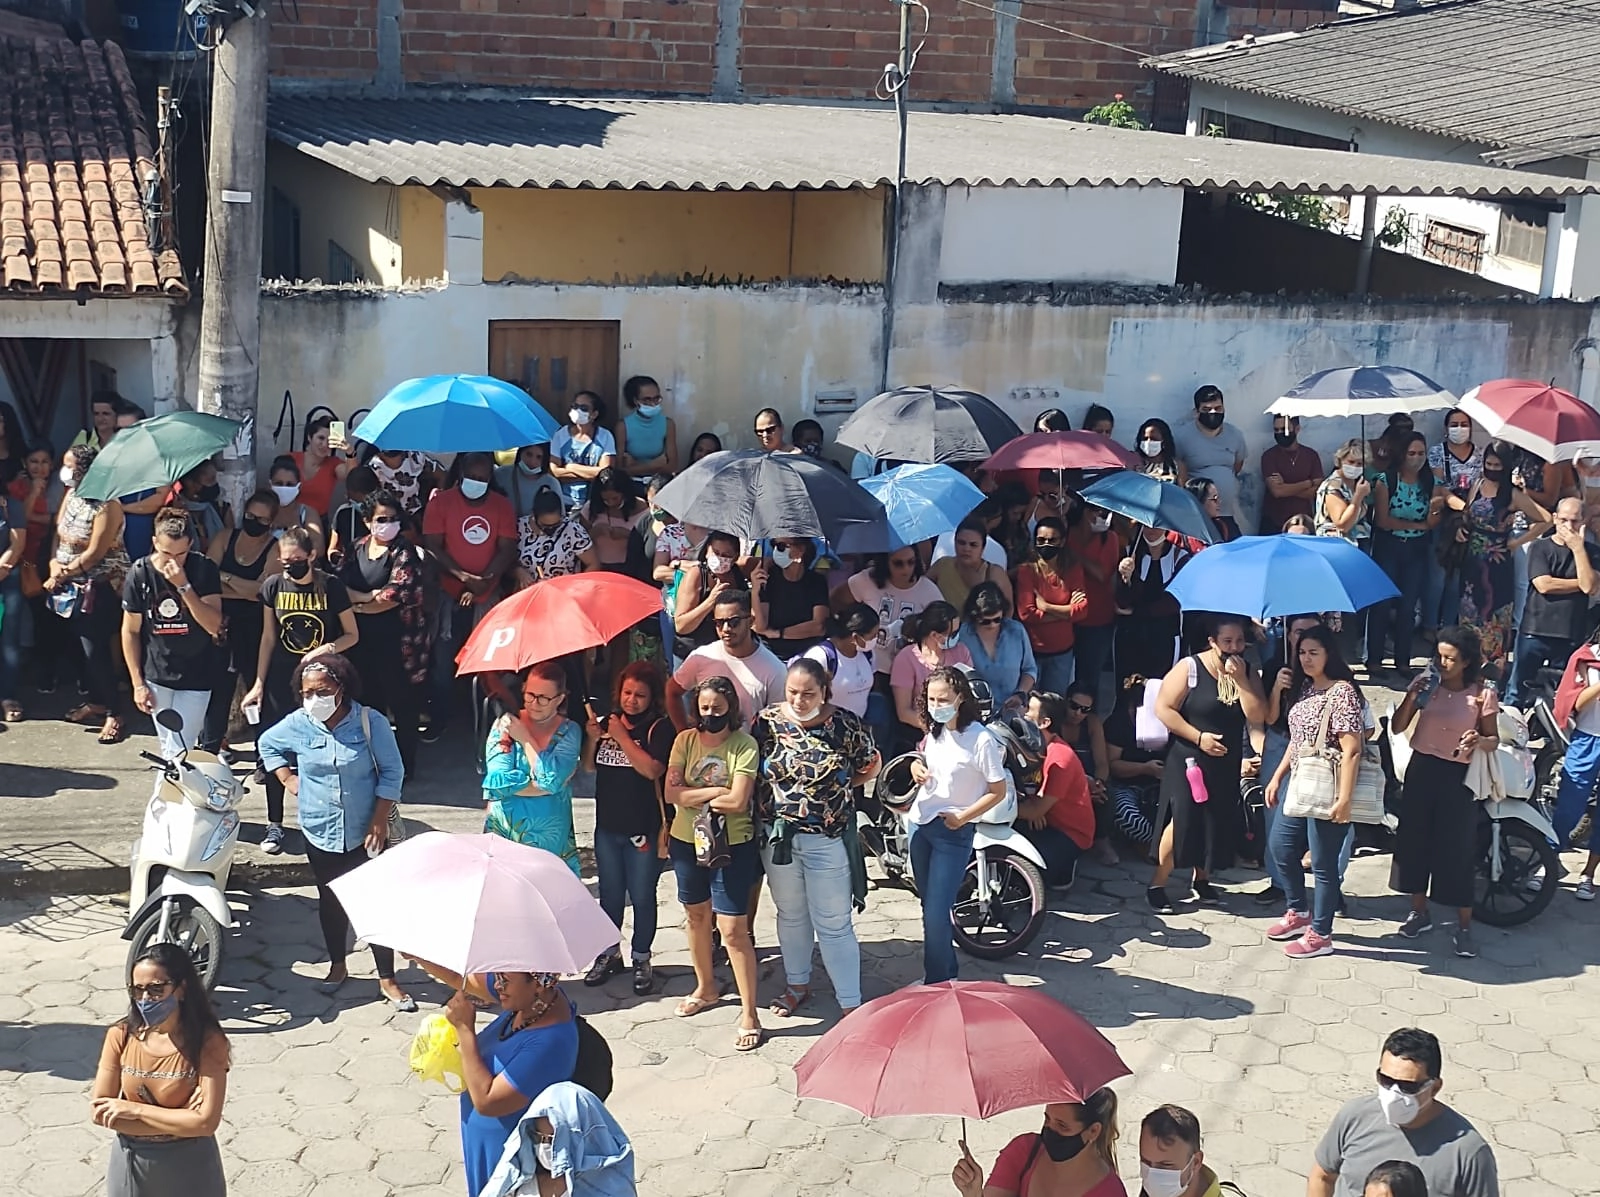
(1314, 779)
(395, 832)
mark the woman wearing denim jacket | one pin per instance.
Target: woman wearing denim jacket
(340, 762)
(529, 762)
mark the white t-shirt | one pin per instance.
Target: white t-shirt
(961, 766)
(1588, 719)
(892, 605)
(759, 677)
(945, 546)
(852, 679)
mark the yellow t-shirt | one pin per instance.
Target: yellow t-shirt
(736, 756)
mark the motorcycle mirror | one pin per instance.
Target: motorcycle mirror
(170, 719)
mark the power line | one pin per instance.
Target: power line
(1082, 37)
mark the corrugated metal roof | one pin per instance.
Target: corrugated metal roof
(700, 145)
(1516, 75)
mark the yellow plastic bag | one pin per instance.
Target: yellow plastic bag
(436, 1053)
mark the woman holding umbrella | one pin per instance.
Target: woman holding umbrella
(1205, 701)
(529, 761)
(1073, 1155)
(1148, 619)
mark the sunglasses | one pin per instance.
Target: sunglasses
(1408, 1087)
(731, 622)
(1076, 709)
(769, 431)
(549, 529)
(993, 621)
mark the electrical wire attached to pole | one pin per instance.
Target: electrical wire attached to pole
(893, 84)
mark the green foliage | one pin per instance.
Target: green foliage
(1396, 230)
(1119, 114)
(1313, 211)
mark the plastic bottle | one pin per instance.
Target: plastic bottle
(1197, 780)
(1430, 682)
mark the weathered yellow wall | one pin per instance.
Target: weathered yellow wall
(421, 234)
(576, 236)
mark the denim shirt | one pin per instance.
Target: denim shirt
(341, 776)
(1013, 657)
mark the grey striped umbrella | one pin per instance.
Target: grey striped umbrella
(928, 424)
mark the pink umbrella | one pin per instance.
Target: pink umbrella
(476, 904)
(1533, 415)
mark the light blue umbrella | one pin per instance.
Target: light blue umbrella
(923, 501)
(1151, 502)
(1263, 576)
(456, 413)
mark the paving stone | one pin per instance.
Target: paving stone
(323, 1159)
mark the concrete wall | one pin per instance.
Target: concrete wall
(1579, 272)
(722, 352)
(1061, 234)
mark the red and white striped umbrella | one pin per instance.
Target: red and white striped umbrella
(1535, 416)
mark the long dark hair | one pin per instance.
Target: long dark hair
(932, 618)
(197, 1020)
(640, 671)
(1466, 643)
(1168, 456)
(1336, 670)
(1506, 454)
(858, 619)
(967, 712)
(878, 568)
(612, 478)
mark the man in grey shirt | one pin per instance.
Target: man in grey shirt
(1213, 449)
(1404, 1120)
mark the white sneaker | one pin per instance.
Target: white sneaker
(1586, 890)
(272, 841)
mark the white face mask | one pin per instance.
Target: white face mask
(321, 706)
(1459, 436)
(474, 488)
(545, 1154)
(287, 494)
(383, 531)
(717, 563)
(782, 558)
(1150, 448)
(1399, 1109)
(1350, 471)
(1162, 1182)
(801, 714)
(578, 416)
(66, 476)
(1100, 523)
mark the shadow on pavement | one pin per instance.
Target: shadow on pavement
(32, 781)
(68, 1050)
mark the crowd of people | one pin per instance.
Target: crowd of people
(733, 736)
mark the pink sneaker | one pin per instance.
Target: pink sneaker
(1310, 944)
(1289, 926)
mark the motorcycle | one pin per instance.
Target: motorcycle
(1518, 868)
(1549, 741)
(181, 860)
(1001, 904)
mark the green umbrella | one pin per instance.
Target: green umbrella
(155, 453)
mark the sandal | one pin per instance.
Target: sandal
(790, 1000)
(12, 711)
(85, 714)
(692, 1005)
(113, 732)
(749, 1038)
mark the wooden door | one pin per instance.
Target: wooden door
(555, 359)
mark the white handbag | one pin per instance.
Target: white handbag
(1313, 787)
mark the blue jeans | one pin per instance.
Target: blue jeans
(1406, 562)
(1580, 769)
(1056, 671)
(1331, 845)
(1533, 654)
(1091, 651)
(812, 894)
(13, 609)
(628, 875)
(1441, 593)
(1273, 745)
(881, 718)
(453, 623)
(939, 860)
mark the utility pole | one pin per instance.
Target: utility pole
(230, 316)
(902, 78)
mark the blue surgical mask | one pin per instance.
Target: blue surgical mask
(782, 558)
(648, 411)
(942, 712)
(472, 488)
(155, 1011)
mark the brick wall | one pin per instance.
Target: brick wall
(815, 49)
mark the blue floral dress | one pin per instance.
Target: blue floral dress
(1488, 577)
(530, 800)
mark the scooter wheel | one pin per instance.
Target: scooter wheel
(1530, 870)
(192, 927)
(1013, 914)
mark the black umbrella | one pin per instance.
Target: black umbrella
(756, 496)
(928, 424)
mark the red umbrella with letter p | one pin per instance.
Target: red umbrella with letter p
(555, 617)
(1536, 416)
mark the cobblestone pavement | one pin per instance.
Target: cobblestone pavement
(1205, 1011)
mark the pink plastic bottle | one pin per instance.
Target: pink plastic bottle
(1197, 780)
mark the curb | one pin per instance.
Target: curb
(113, 879)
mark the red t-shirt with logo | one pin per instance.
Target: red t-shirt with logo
(1072, 812)
(472, 532)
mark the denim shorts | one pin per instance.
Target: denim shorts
(728, 888)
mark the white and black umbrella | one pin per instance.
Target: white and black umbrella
(1363, 391)
(928, 424)
(756, 495)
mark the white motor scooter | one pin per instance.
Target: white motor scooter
(181, 861)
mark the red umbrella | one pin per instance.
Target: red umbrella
(1061, 451)
(969, 1049)
(553, 618)
(1534, 416)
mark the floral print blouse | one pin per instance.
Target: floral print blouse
(404, 590)
(805, 771)
(553, 555)
(530, 797)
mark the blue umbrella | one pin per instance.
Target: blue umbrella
(1151, 502)
(456, 413)
(1363, 391)
(923, 501)
(1263, 576)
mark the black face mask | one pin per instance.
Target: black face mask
(811, 449)
(209, 494)
(1494, 475)
(298, 570)
(1060, 1147)
(1047, 552)
(1285, 439)
(255, 527)
(714, 723)
(1210, 419)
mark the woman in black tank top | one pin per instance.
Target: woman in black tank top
(244, 556)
